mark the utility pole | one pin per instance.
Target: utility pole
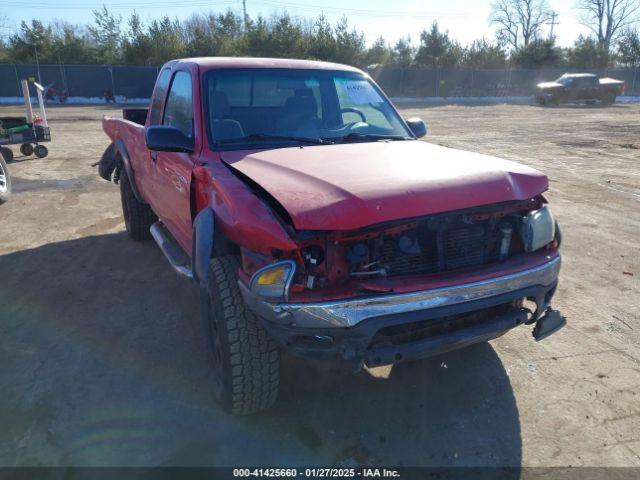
(553, 23)
(244, 13)
(37, 64)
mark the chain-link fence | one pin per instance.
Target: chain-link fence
(126, 83)
(430, 82)
(87, 81)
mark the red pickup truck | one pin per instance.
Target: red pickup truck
(313, 220)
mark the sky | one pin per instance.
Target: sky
(466, 20)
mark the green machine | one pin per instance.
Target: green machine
(29, 131)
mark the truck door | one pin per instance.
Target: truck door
(590, 88)
(572, 88)
(139, 153)
(172, 178)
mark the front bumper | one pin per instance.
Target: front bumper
(347, 328)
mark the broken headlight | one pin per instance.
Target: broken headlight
(272, 282)
(537, 229)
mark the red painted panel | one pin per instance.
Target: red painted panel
(345, 187)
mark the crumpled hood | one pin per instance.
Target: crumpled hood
(545, 85)
(349, 186)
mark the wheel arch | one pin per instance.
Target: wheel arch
(120, 149)
(208, 242)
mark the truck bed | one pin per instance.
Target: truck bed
(610, 81)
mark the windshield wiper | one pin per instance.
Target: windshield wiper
(253, 137)
(371, 136)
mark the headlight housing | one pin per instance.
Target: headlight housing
(537, 229)
(272, 282)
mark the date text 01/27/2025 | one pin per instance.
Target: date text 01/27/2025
(316, 473)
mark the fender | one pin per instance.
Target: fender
(124, 154)
(108, 162)
(202, 249)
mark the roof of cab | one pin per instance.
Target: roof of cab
(209, 63)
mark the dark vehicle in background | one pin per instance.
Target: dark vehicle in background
(579, 87)
(5, 180)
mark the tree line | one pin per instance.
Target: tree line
(524, 38)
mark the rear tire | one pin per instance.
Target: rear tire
(138, 216)
(609, 100)
(41, 151)
(245, 361)
(5, 181)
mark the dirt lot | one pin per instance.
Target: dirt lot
(100, 364)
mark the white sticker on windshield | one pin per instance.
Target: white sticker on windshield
(360, 91)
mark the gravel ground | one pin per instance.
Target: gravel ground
(100, 363)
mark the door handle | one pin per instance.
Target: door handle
(154, 156)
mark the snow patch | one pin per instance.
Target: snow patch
(486, 100)
(77, 101)
(518, 100)
(462, 100)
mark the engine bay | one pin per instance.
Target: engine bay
(433, 244)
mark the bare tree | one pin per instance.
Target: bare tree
(608, 18)
(520, 21)
(4, 32)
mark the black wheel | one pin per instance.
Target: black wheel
(7, 153)
(609, 100)
(26, 149)
(245, 361)
(5, 181)
(138, 217)
(41, 151)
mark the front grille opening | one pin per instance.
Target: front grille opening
(412, 332)
(437, 244)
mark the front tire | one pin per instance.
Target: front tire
(5, 181)
(138, 216)
(245, 361)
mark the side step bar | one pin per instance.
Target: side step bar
(178, 259)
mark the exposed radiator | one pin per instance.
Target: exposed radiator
(460, 245)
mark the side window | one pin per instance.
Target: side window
(159, 95)
(178, 111)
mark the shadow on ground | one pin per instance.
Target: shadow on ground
(102, 365)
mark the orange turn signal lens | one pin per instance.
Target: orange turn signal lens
(273, 276)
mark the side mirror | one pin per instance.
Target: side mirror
(162, 138)
(417, 126)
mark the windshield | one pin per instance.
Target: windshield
(257, 106)
(564, 80)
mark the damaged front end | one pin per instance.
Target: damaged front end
(410, 288)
